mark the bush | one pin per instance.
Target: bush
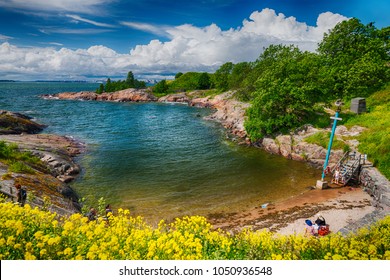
(27, 233)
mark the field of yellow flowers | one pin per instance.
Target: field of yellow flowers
(27, 233)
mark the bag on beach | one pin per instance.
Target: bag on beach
(323, 230)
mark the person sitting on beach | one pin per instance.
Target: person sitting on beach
(309, 228)
(320, 221)
(92, 215)
(21, 194)
(108, 210)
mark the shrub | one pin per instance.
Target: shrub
(30, 233)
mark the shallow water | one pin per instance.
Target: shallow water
(159, 160)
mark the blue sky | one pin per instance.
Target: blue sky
(90, 39)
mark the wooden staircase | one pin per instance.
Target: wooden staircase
(348, 168)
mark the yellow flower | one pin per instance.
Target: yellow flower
(38, 234)
(68, 251)
(68, 226)
(29, 256)
(10, 240)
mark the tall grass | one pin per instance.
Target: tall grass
(375, 141)
(19, 161)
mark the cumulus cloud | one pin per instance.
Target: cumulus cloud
(210, 46)
(189, 48)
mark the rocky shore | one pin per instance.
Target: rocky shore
(231, 114)
(126, 95)
(47, 185)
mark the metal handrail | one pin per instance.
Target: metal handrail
(345, 156)
(355, 165)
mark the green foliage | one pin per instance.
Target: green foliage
(112, 86)
(190, 81)
(19, 162)
(130, 81)
(238, 74)
(20, 167)
(204, 81)
(161, 87)
(222, 75)
(375, 141)
(178, 75)
(286, 92)
(100, 90)
(322, 139)
(285, 84)
(355, 59)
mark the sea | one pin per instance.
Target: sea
(160, 161)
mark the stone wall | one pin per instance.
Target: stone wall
(375, 184)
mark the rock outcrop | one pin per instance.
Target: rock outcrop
(294, 146)
(126, 95)
(15, 123)
(177, 98)
(229, 112)
(46, 184)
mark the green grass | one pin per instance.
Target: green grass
(18, 161)
(20, 167)
(322, 139)
(375, 141)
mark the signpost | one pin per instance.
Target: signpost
(321, 184)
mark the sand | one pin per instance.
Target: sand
(340, 206)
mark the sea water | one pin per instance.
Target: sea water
(159, 160)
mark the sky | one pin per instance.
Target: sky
(95, 39)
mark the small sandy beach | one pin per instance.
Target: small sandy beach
(340, 206)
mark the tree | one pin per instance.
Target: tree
(285, 91)
(238, 74)
(222, 75)
(130, 81)
(355, 59)
(161, 87)
(108, 87)
(100, 90)
(204, 81)
(178, 75)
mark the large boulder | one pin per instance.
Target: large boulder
(177, 97)
(15, 123)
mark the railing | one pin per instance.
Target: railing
(351, 169)
(340, 162)
(348, 165)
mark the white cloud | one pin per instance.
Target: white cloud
(5, 37)
(56, 30)
(189, 48)
(100, 24)
(209, 46)
(146, 27)
(85, 6)
(54, 44)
